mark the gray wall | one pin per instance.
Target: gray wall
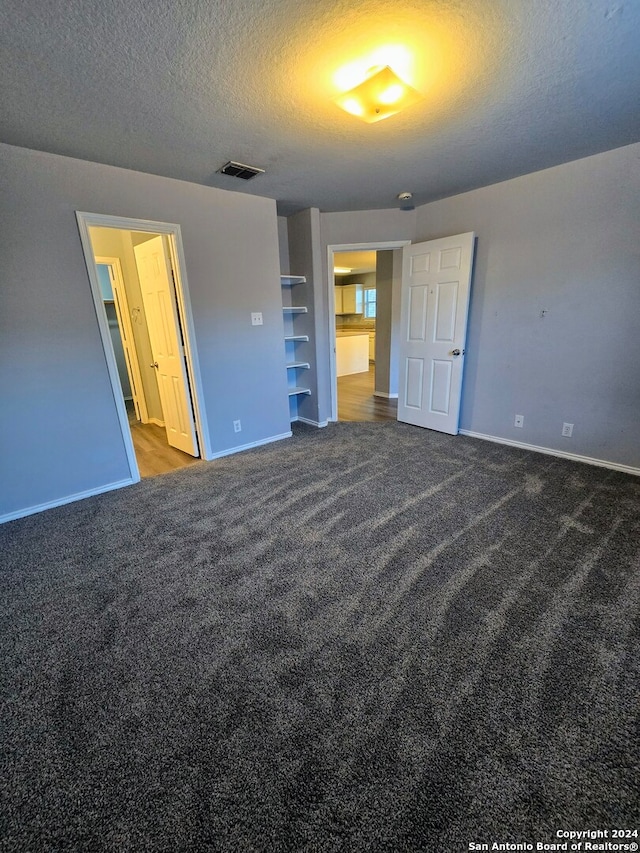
(283, 244)
(366, 226)
(58, 419)
(564, 241)
(388, 287)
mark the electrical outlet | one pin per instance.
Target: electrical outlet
(567, 430)
(237, 426)
(519, 421)
(256, 318)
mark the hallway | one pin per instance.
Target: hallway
(153, 454)
(357, 403)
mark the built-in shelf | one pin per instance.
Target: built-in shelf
(295, 321)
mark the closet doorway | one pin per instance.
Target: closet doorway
(140, 303)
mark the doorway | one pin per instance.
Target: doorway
(355, 330)
(361, 345)
(139, 288)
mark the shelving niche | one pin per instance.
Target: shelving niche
(295, 337)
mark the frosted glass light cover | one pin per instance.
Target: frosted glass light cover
(381, 95)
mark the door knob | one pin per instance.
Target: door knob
(155, 364)
(455, 352)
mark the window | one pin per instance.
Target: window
(369, 302)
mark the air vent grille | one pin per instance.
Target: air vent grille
(240, 170)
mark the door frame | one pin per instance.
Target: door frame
(183, 304)
(331, 250)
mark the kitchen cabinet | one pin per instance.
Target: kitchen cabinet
(349, 298)
(372, 346)
(352, 353)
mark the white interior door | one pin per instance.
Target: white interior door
(156, 283)
(436, 280)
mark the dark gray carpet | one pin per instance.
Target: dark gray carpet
(365, 638)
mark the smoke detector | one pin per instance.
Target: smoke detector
(405, 200)
(240, 170)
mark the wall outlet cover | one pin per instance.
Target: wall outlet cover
(256, 318)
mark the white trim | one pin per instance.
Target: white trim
(252, 444)
(78, 496)
(385, 395)
(319, 424)
(378, 246)
(157, 422)
(551, 451)
(84, 221)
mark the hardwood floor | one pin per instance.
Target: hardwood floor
(357, 403)
(153, 454)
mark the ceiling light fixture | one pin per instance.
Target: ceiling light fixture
(380, 95)
(341, 270)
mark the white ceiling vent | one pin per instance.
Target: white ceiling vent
(240, 170)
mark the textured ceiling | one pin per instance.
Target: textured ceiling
(178, 87)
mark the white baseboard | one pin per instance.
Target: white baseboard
(310, 422)
(156, 421)
(551, 451)
(385, 395)
(78, 496)
(242, 447)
